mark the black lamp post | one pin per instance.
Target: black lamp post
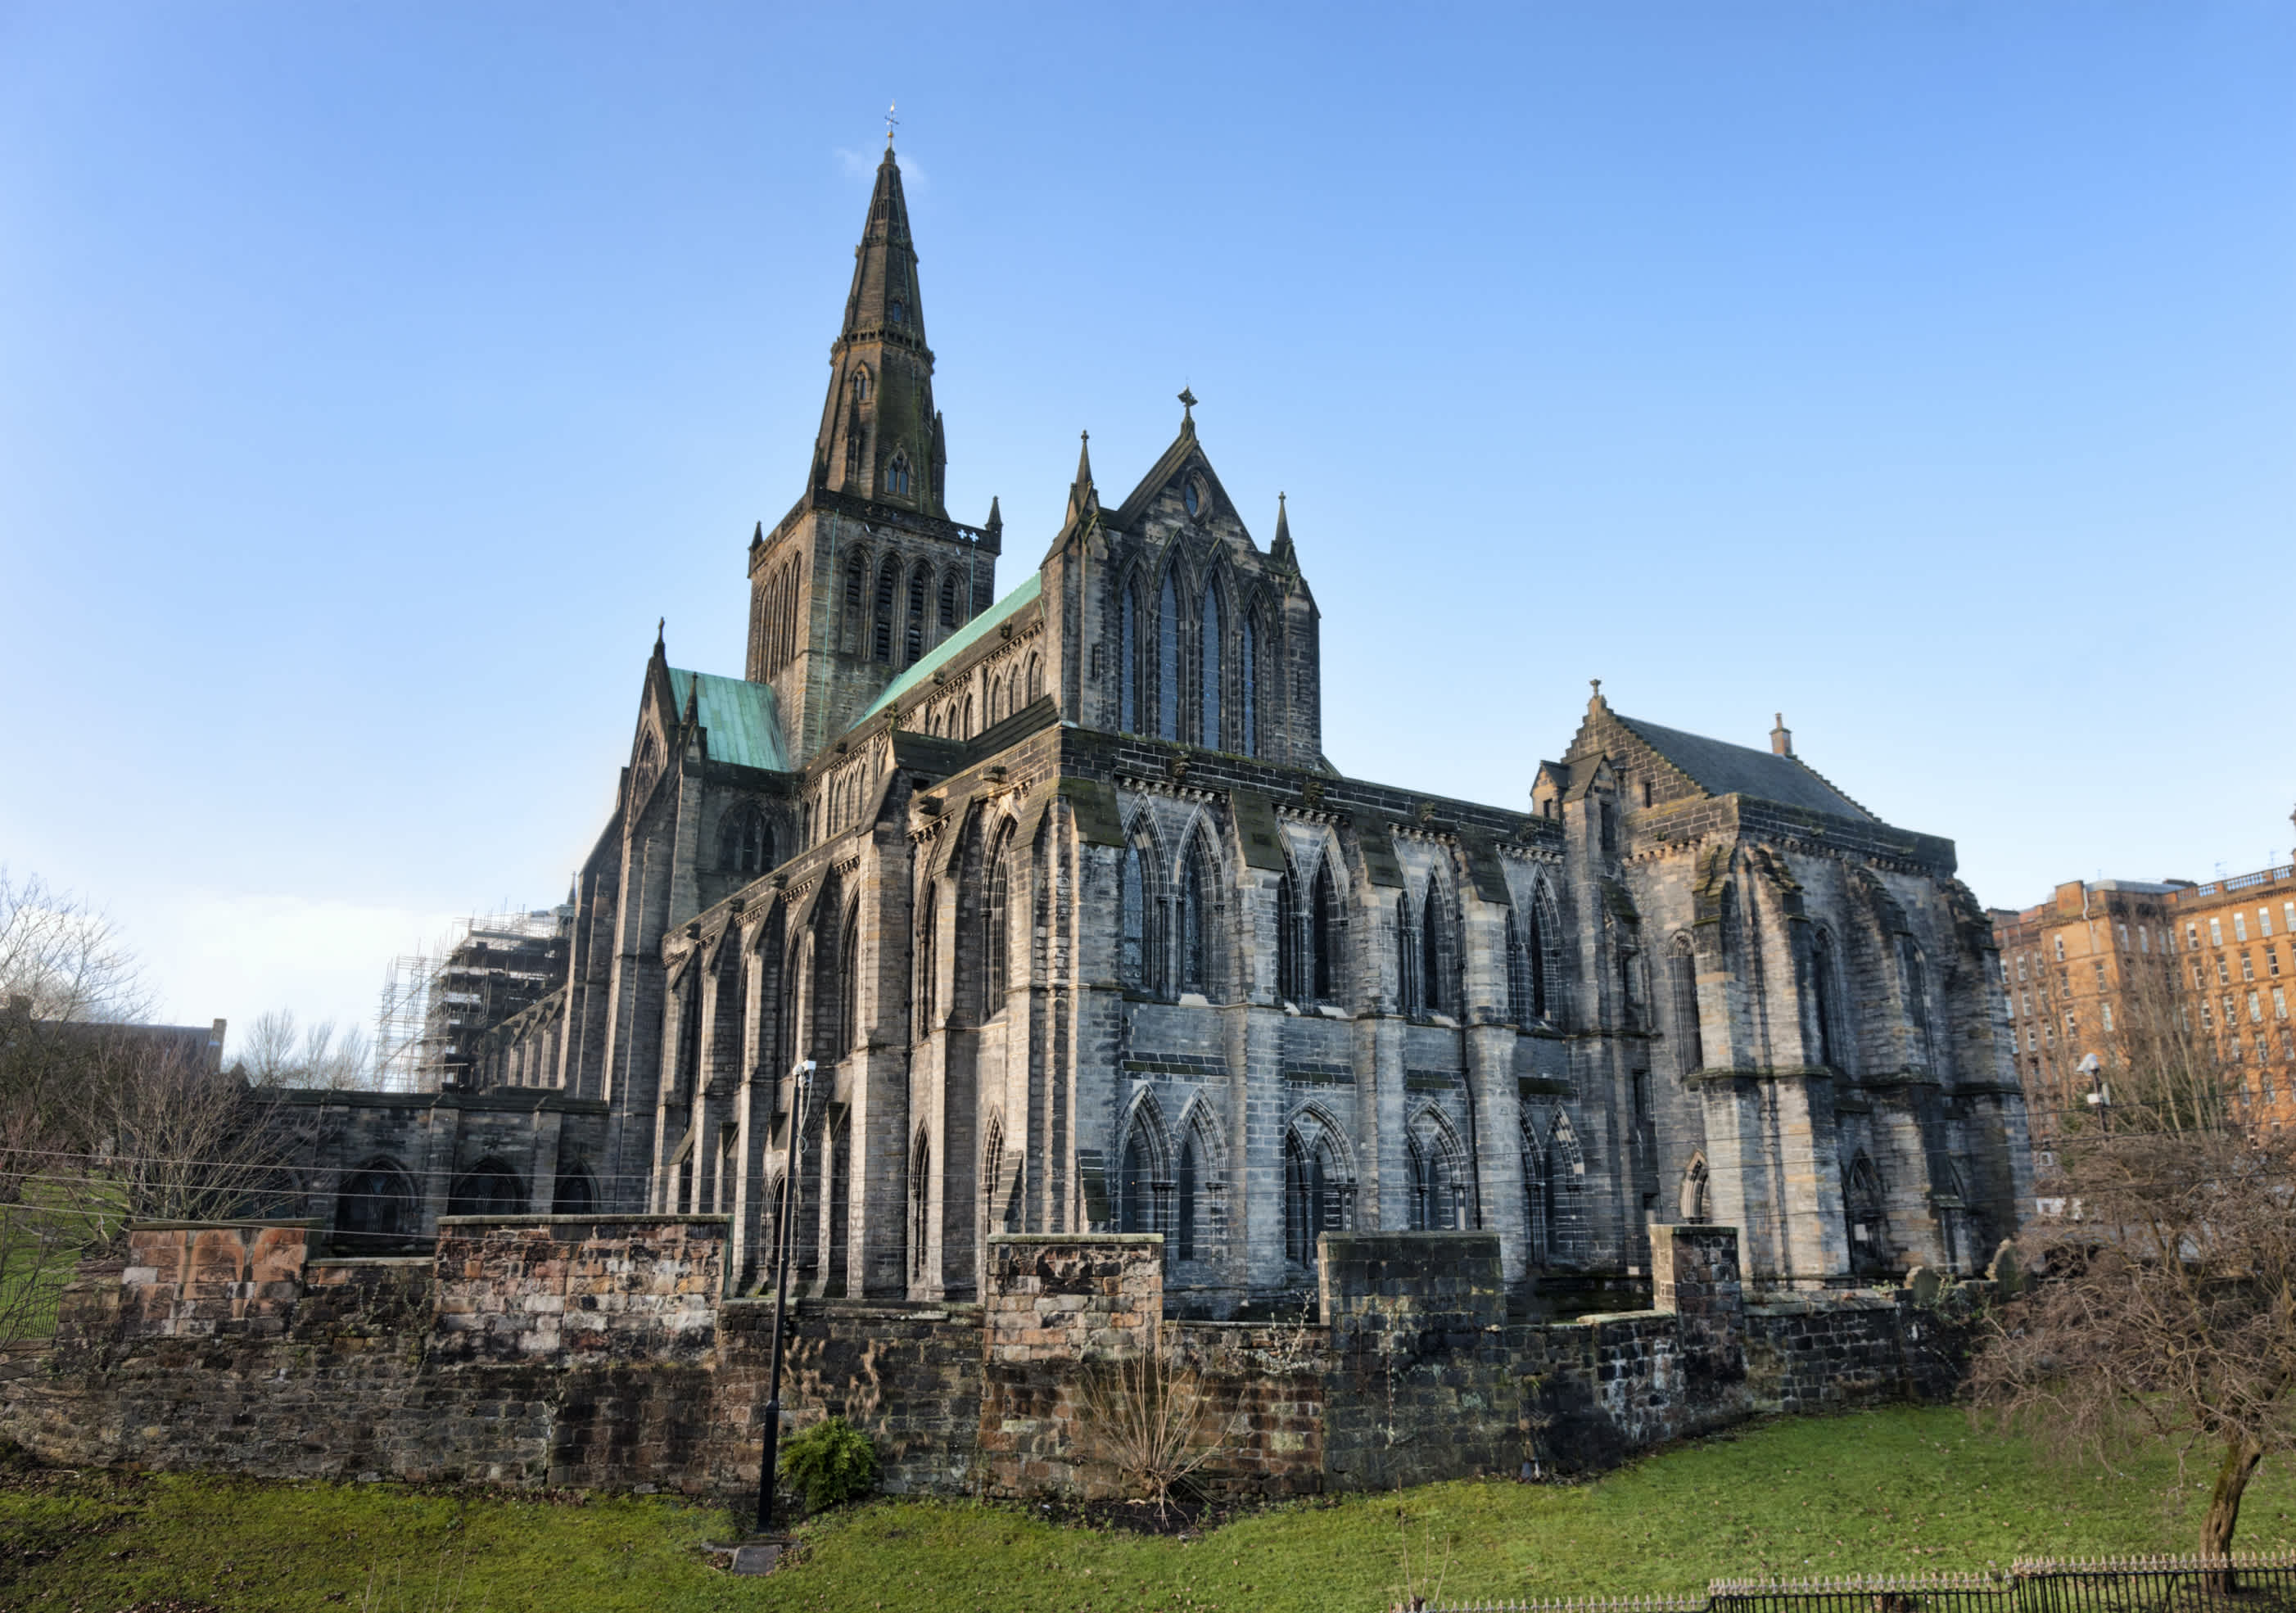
(786, 1231)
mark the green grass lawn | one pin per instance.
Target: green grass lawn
(1877, 1492)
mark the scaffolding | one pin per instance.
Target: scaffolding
(404, 1059)
(435, 999)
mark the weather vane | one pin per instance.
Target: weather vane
(892, 122)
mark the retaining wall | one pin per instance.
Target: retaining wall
(596, 1352)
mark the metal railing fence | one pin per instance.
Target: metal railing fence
(2251, 1582)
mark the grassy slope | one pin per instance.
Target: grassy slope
(1887, 1491)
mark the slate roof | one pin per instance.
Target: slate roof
(1720, 768)
(743, 718)
(957, 642)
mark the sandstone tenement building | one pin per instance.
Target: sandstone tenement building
(1082, 932)
(2115, 985)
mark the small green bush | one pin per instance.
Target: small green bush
(829, 1462)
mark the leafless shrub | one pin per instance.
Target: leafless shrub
(1150, 1416)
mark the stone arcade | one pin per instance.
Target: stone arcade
(1084, 934)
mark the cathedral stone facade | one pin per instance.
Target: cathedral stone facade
(1045, 911)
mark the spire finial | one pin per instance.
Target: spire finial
(1084, 459)
(661, 627)
(1187, 408)
(1595, 703)
(892, 122)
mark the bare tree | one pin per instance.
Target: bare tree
(277, 1053)
(61, 961)
(101, 1120)
(2169, 1308)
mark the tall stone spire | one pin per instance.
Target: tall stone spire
(881, 437)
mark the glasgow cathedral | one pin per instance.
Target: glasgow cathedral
(1077, 928)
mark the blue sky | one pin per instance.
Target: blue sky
(373, 376)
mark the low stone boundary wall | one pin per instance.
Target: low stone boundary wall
(598, 1352)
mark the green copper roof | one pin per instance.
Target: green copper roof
(957, 642)
(743, 720)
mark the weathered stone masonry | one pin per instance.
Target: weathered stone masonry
(597, 1352)
(1083, 933)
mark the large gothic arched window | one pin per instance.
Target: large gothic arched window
(1132, 925)
(745, 842)
(920, 591)
(1682, 987)
(1167, 660)
(1314, 1193)
(1247, 685)
(1143, 1188)
(1434, 949)
(1518, 973)
(1127, 662)
(998, 927)
(1199, 899)
(1323, 932)
(888, 587)
(1209, 646)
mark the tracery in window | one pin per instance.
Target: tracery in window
(896, 474)
(948, 600)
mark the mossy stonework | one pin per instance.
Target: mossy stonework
(597, 1352)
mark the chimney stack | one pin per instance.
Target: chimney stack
(1780, 740)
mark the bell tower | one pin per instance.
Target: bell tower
(866, 573)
